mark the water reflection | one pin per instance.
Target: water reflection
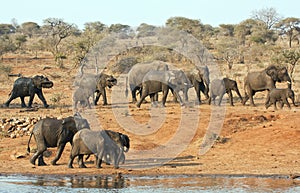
(176, 183)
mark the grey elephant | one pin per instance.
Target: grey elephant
(264, 80)
(96, 84)
(280, 95)
(137, 73)
(100, 143)
(199, 78)
(82, 95)
(53, 132)
(26, 86)
(219, 87)
(161, 81)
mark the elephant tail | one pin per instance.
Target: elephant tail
(28, 148)
(126, 87)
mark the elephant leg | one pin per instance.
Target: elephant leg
(23, 105)
(220, 99)
(267, 101)
(209, 100)
(60, 149)
(99, 158)
(285, 101)
(164, 98)
(153, 99)
(97, 97)
(230, 97)
(251, 99)
(30, 100)
(197, 89)
(41, 161)
(39, 155)
(104, 97)
(70, 163)
(133, 95)
(274, 104)
(138, 104)
(118, 155)
(88, 102)
(42, 98)
(12, 97)
(80, 161)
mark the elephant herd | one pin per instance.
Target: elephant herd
(106, 145)
(148, 79)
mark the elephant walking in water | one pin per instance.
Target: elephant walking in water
(264, 80)
(220, 87)
(25, 86)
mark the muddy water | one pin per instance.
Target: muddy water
(133, 184)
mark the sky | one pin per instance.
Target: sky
(135, 12)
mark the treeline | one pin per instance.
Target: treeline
(265, 37)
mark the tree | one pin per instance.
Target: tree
(6, 45)
(96, 27)
(57, 30)
(268, 16)
(192, 26)
(291, 27)
(290, 57)
(29, 28)
(20, 40)
(119, 28)
(244, 29)
(227, 29)
(145, 30)
(7, 29)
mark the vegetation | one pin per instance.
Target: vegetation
(264, 38)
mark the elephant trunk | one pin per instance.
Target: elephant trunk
(48, 84)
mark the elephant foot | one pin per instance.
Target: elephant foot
(70, 166)
(24, 106)
(46, 105)
(32, 161)
(99, 167)
(42, 164)
(5, 105)
(82, 166)
(116, 167)
(53, 163)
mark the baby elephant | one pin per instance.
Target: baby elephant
(82, 95)
(221, 86)
(101, 143)
(280, 95)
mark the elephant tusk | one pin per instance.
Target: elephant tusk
(288, 82)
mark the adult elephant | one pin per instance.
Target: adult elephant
(91, 83)
(27, 86)
(161, 81)
(219, 87)
(138, 72)
(53, 132)
(264, 80)
(100, 143)
(199, 78)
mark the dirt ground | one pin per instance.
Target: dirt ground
(252, 140)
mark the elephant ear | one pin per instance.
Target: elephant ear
(37, 81)
(272, 71)
(170, 77)
(196, 73)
